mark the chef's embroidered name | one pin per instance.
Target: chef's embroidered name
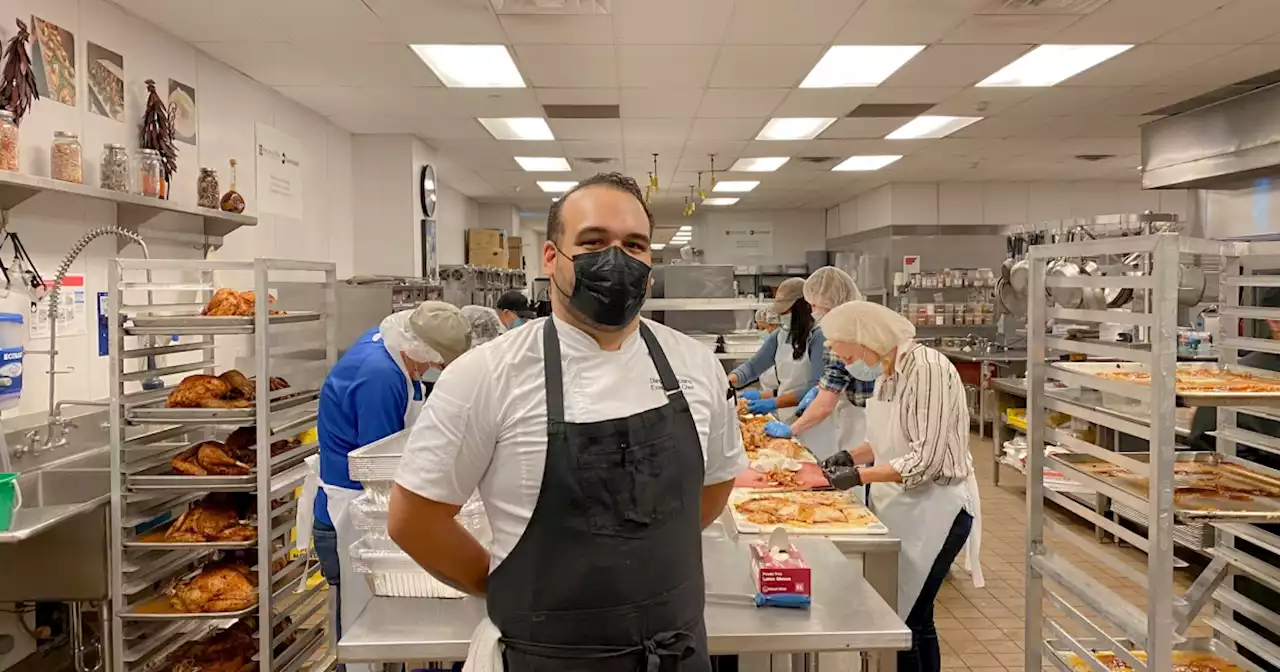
(685, 384)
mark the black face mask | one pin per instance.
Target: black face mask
(608, 287)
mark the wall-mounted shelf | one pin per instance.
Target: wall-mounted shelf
(703, 304)
(132, 210)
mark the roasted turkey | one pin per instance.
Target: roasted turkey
(209, 458)
(229, 650)
(217, 517)
(217, 588)
(232, 389)
(227, 302)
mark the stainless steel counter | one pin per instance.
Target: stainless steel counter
(847, 615)
(997, 356)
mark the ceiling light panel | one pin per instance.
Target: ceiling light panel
(518, 128)
(543, 164)
(735, 187)
(1049, 64)
(760, 164)
(931, 126)
(685, 229)
(473, 66)
(657, 246)
(556, 186)
(857, 65)
(720, 201)
(869, 162)
(794, 128)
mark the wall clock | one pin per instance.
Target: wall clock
(427, 190)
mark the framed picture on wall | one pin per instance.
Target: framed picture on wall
(430, 262)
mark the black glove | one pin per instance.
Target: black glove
(843, 478)
(842, 458)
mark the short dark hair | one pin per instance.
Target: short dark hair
(613, 180)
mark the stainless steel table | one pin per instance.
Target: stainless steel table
(847, 615)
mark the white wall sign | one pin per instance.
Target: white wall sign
(72, 311)
(279, 171)
(911, 264)
(750, 240)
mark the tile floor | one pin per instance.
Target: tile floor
(982, 628)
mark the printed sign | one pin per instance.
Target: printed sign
(72, 310)
(279, 173)
(911, 264)
(750, 241)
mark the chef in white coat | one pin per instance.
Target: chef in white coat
(837, 396)
(922, 484)
(377, 389)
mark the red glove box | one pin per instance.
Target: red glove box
(786, 572)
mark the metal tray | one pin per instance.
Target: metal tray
(1265, 399)
(143, 325)
(157, 412)
(1207, 651)
(1189, 507)
(161, 477)
(154, 540)
(872, 527)
(159, 609)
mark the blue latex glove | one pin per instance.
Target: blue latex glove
(806, 400)
(778, 429)
(749, 395)
(760, 406)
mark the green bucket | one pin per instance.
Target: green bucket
(10, 500)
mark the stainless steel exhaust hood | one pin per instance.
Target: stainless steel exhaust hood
(1225, 145)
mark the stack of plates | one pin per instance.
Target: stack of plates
(709, 340)
(743, 342)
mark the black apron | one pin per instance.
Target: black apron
(608, 574)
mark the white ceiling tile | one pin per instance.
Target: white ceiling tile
(1239, 22)
(1057, 101)
(665, 66)
(662, 131)
(1234, 66)
(319, 20)
(486, 103)
(670, 21)
(983, 102)
(999, 127)
(728, 103)
(1100, 126)
(1134, 21)
(1010, 28)
(1144, 99)
(774, 147)
(437, 21)
(726, 151)
(567, 65)
(763, 67)
(791, 22)
(600, 96)
(660, 103)
(905, 21)
(348, 100)
(954, 65)
(848, 147)
(1147, 62)
(374, 123)
(557, 28)
(911, 94)
(291, 64)
(211, 22)
(725, 129)
(586, 129)
(581, 148)
(862, 128)
(451, 128)
(822, 102)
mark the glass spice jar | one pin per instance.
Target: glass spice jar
(8, 142)
(207, 189)
(66, 158)
(232, 201)
(149, 175)
(114, 172)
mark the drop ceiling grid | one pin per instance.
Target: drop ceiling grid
(703, 77)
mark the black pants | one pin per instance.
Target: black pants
(925, 655)
(325, 541)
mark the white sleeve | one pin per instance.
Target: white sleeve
(453, 440)
(725, 456)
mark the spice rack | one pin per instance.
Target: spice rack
(1071, 616)
(289, 616)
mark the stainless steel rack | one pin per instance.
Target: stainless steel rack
(1117, 626)
(152, 301)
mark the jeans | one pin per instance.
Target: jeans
(325, 540)
(924, 655)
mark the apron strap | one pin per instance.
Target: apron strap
(553, 372)
(660, 362)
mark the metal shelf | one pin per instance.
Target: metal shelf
(703, 304)
(145, 491)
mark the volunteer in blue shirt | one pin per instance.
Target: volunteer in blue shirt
(375, 390)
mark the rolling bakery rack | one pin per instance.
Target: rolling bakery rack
(157, 337)
(1146, 481)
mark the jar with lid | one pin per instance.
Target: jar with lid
(114, 172)
(149, 174)
(66, 158)
(208, 195)
(8, 142)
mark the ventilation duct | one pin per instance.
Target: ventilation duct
(1225, 145)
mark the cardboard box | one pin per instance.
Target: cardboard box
(784, 573)
(486, 247)
(515, 252)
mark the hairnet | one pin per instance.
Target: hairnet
(829, 287)
(868, 324)
(767, 316)
(485, 325)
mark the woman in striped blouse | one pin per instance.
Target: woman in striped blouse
(923, 487)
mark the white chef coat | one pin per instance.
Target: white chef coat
(485, 423)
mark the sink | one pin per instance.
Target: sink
(60, 487)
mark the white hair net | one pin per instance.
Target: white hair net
(767, 316)
(868, 324)
(485, 325)
(829, 287)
